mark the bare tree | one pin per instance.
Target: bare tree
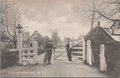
(10, 19)
(106, 10)
(93, 17)
(3, 7)
(113, 15)
(91, 14)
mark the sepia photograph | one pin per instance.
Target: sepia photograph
(59, 38)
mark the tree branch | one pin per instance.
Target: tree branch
(4, 9)
(7, 28)
(104, 16)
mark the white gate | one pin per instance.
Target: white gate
(78, 49)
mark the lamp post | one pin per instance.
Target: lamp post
(19, 27)
(19, 42)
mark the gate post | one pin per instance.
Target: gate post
(19, 46)
(89, 53)
(83, 43)
(102, 58)
(35, 45)
(19, 42)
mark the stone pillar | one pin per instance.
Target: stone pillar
(102, 58)
(18, 40)
(89, 53)
(83, 44)
(53, 56)
(19, 46)
(35, 46)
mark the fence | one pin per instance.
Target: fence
(30, 55)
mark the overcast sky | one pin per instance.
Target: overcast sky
(66, 16)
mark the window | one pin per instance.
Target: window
(25, 51)
(31, 45)
(26, 56)
(31, 56)
(31, 51)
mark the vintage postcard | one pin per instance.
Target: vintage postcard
(59, 38)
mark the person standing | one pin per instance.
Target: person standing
(68, 49)
(49, 48)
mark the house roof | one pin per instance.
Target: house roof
(34, 35)
(116, 36)
(99, 35)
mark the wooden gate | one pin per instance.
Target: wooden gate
(78, 49)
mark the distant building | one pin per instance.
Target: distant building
(100, 36)
(35, 37)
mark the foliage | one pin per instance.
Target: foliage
(55, 37)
